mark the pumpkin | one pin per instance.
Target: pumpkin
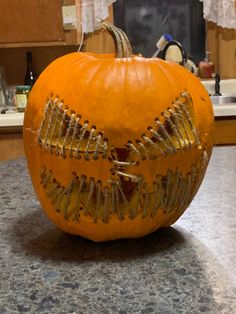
(117, 145)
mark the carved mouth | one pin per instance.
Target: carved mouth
(125, 193)
(170, 193)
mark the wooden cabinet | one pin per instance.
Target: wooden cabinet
(225, 131)
(221, 43)
(33, 23)
(36, 25)
(11, 144)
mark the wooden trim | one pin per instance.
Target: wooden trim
(11, 129)
(33, 44)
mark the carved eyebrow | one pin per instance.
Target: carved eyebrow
(174, 131)
(64, 133)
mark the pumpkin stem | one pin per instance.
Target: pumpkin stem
(122, 44)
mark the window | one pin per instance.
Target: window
(145, 21)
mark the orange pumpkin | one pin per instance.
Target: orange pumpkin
(117, 146)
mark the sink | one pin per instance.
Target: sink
(225, 105)
(227, 86)
(223, 99)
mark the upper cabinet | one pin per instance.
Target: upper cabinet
(37, 22)
(37, 26)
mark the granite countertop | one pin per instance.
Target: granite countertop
(187, 268)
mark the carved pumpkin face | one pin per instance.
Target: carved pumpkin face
(116, 147)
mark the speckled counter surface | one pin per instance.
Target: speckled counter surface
(187, 268)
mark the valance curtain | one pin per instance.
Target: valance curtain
(221, 12)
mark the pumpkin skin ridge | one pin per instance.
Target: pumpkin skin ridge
(115, 228)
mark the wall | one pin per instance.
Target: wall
(221, 42)
(14, 60)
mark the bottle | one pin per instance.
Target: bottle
(30, 76)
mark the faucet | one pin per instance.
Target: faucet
(217, 84)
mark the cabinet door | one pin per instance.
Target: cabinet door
(31, 21)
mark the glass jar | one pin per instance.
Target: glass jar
(22, 93)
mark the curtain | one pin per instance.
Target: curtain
(221, 12)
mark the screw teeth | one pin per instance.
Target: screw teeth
(61, 132)
(169, 193)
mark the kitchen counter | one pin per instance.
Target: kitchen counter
(12, 119)
(15, 119)
(187, 268)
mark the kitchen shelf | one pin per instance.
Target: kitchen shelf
(72, 38)
(33, 44)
